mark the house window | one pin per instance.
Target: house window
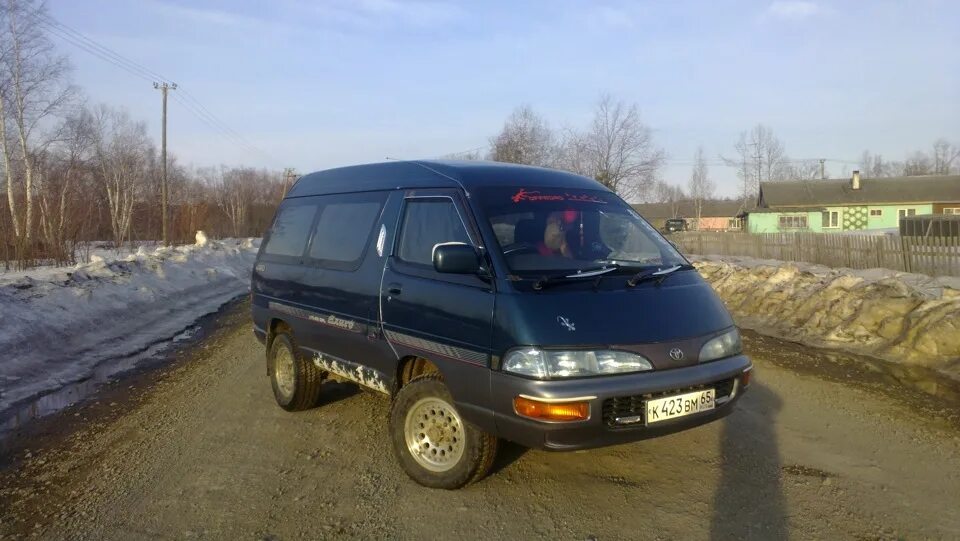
(876, 212)
(952, 210)
(902, 213)
(831, 219)
(737, 223)
(793, 222)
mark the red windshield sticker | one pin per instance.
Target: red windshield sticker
(524, 195)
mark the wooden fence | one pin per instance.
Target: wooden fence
(934, 256)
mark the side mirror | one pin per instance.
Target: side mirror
(456, 258)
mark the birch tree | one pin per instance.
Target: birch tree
(700, 186)
(232, 193)
(58, 176)
(33, 89)
(123, 152)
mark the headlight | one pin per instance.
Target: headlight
(725, 345)
(547, 364)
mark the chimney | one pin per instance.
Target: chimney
(855, 180)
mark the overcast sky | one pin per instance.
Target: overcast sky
(320, 84)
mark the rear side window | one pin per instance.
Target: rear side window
(427, 223)
(291, 227)
(344, 228)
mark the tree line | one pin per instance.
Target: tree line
(74, 173)
(618, 150)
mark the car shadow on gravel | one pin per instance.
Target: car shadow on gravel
(749, 502)
(507, 453)
(335, 391)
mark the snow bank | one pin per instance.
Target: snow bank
(899, 317)
(58, 324)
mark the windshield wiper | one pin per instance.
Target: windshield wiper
(659, 275)
(564, 278)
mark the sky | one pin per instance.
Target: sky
(319, 84)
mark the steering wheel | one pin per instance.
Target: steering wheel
(520, 248)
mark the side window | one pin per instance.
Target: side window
(291, 227)
(427, 223)
(343, 229)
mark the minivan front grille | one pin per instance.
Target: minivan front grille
(631, 408)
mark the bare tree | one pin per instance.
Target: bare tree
(670, 195)
(801, 170)
(760, 157)
(232, 190)
(918, 164)
(618, 150)
(32, 88)
(700, 186)
(873, 165)
(525, 138)
(62, 167)
(470, 155)
(944, 155)
(123, 152)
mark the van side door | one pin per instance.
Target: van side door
(341, 288)
(445, 318)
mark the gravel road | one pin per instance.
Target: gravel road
(198, 450)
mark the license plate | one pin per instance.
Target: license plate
(671, 407)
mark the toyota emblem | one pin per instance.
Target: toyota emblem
(676, 354)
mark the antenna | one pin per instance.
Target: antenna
(462, 187)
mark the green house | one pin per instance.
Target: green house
(853, 204)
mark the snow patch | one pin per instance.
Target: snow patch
(60, 323)
(899, 317)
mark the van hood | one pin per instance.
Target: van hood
(684, 309)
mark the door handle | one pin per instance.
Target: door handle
(394, 289)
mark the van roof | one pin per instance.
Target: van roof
(435, 174)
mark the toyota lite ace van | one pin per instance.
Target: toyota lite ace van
(489, 301)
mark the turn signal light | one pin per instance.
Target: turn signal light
(551, 411)
(745, 379)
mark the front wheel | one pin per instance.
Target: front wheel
(435, 446)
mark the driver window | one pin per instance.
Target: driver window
(427, 223)
(625, 239)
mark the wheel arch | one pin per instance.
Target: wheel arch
(413, 366)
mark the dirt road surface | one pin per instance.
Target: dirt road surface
(199, 450)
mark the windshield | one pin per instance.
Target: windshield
(553, 230)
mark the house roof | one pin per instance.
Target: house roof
(812, 193)
(687, 209)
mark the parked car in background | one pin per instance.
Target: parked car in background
(674, 225)
(489, 301)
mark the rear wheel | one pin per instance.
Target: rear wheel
(435, 446)
(295, 380)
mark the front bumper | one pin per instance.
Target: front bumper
(726, 375)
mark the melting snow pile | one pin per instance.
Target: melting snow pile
(58, 324)
(899, 317)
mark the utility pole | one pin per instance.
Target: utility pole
(164, 87)
(823, 174)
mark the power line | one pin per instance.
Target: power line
(212, 123)
(194, 106)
